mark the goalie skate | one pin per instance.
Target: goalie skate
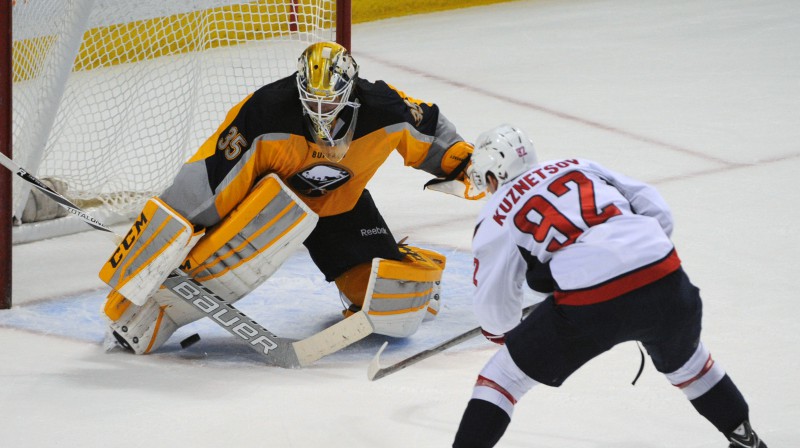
(139, 329)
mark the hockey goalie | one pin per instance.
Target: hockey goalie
(289, 166)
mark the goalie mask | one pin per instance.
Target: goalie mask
(326, 74)
(505, 152)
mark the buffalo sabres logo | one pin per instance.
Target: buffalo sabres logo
(318, 180)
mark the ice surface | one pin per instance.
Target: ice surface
(699, 98)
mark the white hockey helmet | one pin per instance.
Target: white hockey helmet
(505, 152)
(326, 74)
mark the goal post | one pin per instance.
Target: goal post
(110, 97)
(5, 148)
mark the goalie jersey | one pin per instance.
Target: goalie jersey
(573, 228)
(268, 133)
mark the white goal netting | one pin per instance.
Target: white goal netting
(112, 96)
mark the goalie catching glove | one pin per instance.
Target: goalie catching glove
(457, 182)
(461, 188)
(231, 259)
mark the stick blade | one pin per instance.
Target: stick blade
(374, 369)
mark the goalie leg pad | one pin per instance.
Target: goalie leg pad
(233, 258)
(399, 293)
(155, 244)
(253, 241)
(436, 297)
(353, 284)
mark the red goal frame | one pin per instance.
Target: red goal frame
(5, 146)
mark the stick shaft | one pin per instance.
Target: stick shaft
(425, 354)
(52, 194)
(376, 372)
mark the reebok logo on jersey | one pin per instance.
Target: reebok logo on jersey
(374, 231)
(318, 180)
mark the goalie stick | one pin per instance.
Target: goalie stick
(281, 352)
(61, 200)
(376, 372)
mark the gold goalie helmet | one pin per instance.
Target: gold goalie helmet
(326, 74)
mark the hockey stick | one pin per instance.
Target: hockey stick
(376, 372)
(281, 352)
(52, 194)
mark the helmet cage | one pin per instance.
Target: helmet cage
(335, 149)
(326, 75)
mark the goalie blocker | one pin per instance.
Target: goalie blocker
(231, 259)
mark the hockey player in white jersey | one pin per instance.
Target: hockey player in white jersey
(599, 243)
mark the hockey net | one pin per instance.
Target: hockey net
(110, 97)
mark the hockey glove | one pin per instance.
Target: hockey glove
(462, 189)
(457, 182)
(499, 339)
